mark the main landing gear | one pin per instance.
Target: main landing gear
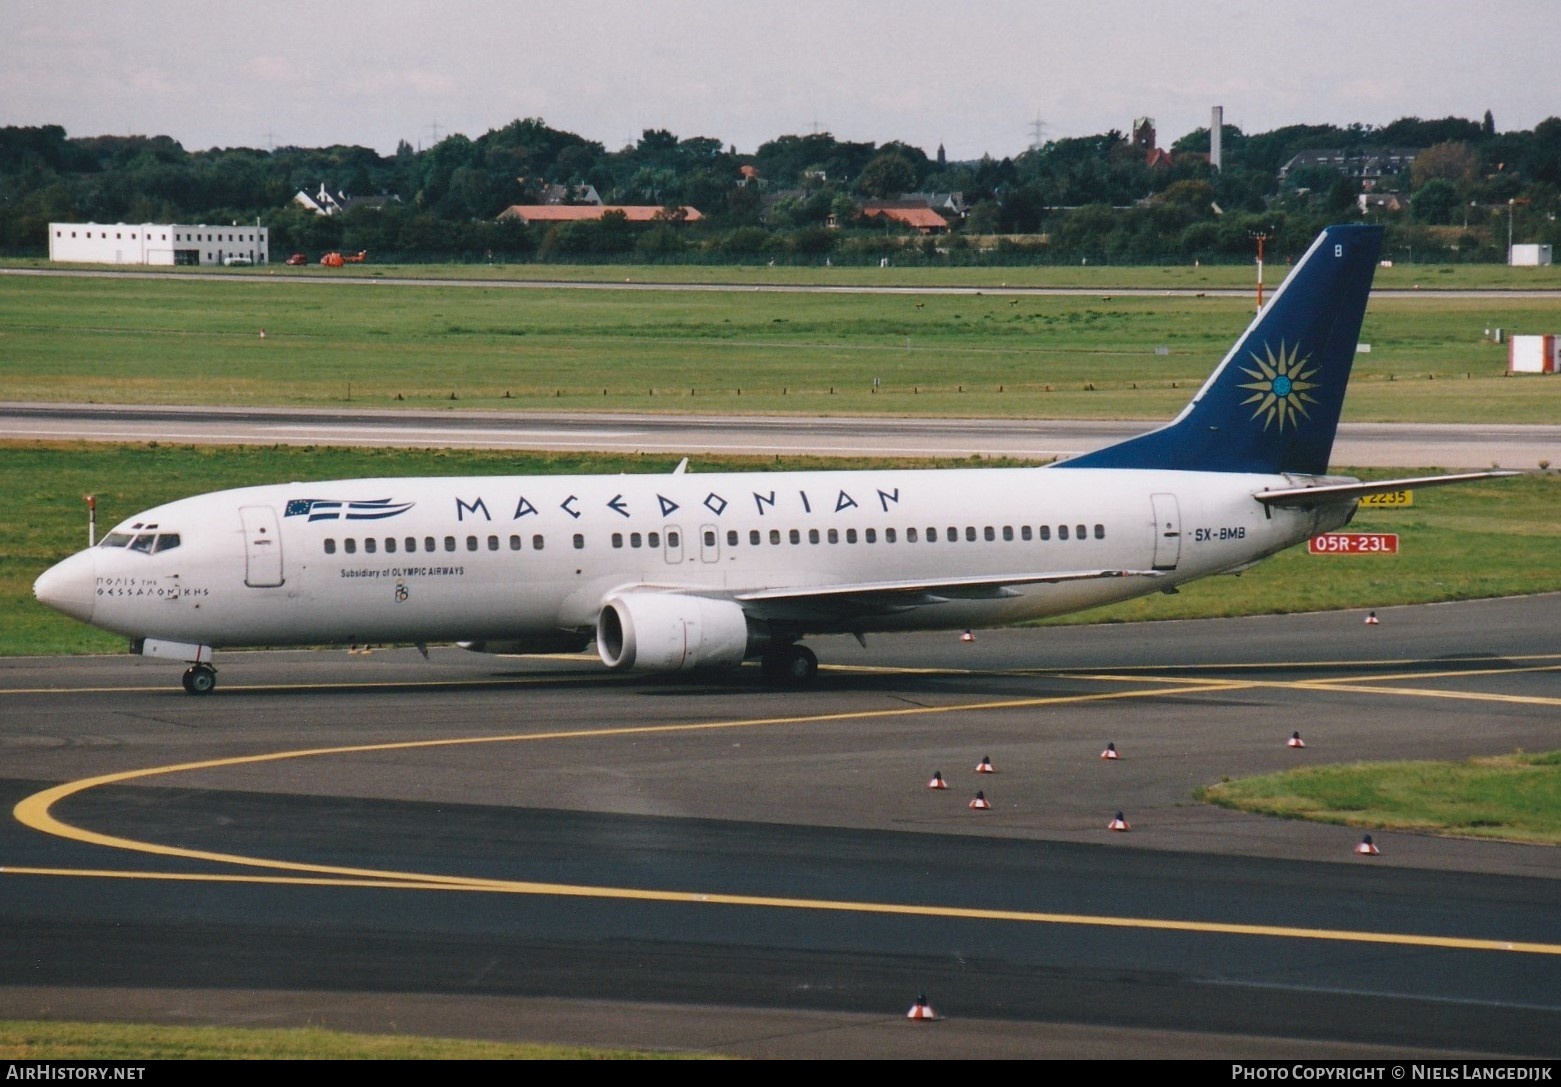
(791, 665)
(200, 679)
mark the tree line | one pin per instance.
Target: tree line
(1100, 198)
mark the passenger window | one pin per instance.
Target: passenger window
(1024, 532)
(795, 536)
(370, 546)
(471, 543)
(390, 545)
(812, 535)
(1083, 532)
(514, 543)
(834, 535)
(617, 539)
(330, 546)
(411, 544)
(932, 534)
(709, 537)
(673, 539)
(449, 543)
(871, 535)
(1100, 532)
(1062, 532)
(888, 535)
(850, 535)
(350, 546)
(1008, 533)
(970, 533)
(428, 543)
(1046, 532)
(536, 543)
(989, 534)
(753, 537)
(774, 535)
(493, 543)
(636, 540)
(731, 537)
(653, 539)
(580, 541)
(910, 535)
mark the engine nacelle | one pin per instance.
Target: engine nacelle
(562, 642)
(667, 632)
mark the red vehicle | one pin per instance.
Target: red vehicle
(298, 259)
(336, 260)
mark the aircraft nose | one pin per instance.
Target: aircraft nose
(70, 586)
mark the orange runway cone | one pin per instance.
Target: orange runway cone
(1110, 752)
(1371, 619)
(921, 1009)
(1367, 847)
(986, 766)
(1118, 823)
(967, 637)
(937, 781)
(980, 803)
(1295, 740)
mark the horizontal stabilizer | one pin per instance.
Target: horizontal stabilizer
(1330, 493)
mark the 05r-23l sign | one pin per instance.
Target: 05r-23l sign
(1354, 543)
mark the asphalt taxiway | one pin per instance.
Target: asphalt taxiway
(534, 849)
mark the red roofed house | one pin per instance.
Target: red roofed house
(923, 218)
(571, 213)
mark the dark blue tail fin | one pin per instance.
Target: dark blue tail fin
(1273, 404)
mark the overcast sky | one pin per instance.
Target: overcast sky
(975, 76)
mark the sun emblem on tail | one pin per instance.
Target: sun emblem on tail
(1280, 391)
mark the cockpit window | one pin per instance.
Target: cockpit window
(147, 543)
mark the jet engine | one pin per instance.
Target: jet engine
(667, 632)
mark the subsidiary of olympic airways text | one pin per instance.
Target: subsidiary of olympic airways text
(1396, 1072)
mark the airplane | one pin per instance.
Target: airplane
(681, 571)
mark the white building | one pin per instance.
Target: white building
(1531, 255)
(158, 243)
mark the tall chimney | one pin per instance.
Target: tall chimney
(1216, 133)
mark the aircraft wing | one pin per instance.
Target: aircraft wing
(1330, 493)
(892, 596)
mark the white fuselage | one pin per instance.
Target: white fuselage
(495, 558)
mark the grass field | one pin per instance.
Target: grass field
(1401, 274)
(137, 340)
(1513, 798)
(22, 1040)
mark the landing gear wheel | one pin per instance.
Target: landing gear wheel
(200, 679)
(792, 665)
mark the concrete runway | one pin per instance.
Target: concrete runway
(1359, 445)
(533, 849)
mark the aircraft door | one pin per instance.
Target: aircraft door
(1167, 531)
(673, 546)
(262, 547)
(709, 543)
